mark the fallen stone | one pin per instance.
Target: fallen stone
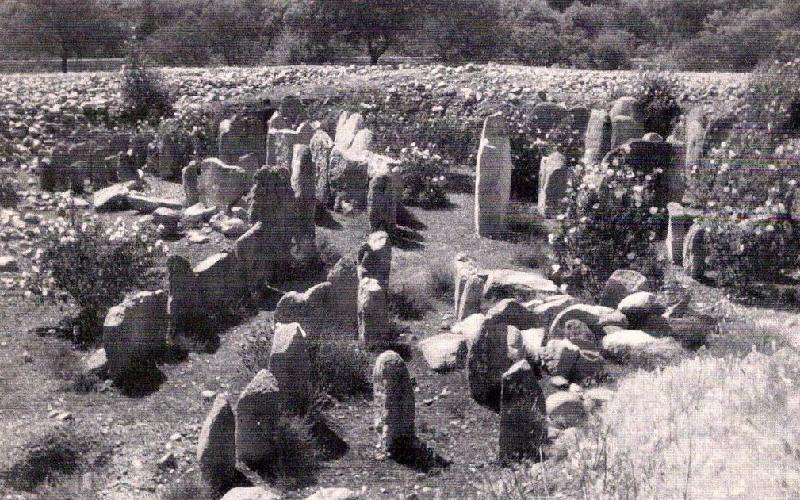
(8, 264)
(114, 197)
(444, 352)
(559, 357)
(640, 305)
(334, 494)
(146, 204)
(251, 493)
(509, 283)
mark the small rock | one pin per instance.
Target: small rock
(8, 264)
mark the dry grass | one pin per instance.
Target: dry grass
(707, 428)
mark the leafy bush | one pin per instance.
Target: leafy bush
(296, 458)
(95, 265)
(611, 223)
(9, 186)
(745, 249)
(144, 96)
(342, 369)
(772, 101)
(409, 297)
(656, 102)
(440, 281)
(423, 178)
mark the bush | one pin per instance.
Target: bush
(772, 101)
(144, 96)
(342, 369)
(423, 178)
(53, 451)
(746, 249)
(612, 50)
(409, 297)
(611, 223)
(296, 458)
(441, 281)
(656, 102)
(95, 265)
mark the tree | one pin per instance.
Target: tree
(472, 34)
(64, 28)
(376, 23)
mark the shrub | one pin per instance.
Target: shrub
(144, 96)
(611, 222)
(423, 178)
(611, 50)
(656, 102)
(296, 458)
(95, 265)
(409, 296)
(342, 369)
(441, 281)
(744, 249)
(53, 451)
(772, 101)
(9, 186)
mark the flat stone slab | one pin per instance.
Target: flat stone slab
(444, 352)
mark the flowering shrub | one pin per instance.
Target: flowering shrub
(744, 248)
(423, 178)
(656, 102)
(94, 264)
(773, 97)
(611, 223)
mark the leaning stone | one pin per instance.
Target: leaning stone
(220, 282)
(470, 327)
(469, 284)
(257, 412)
(374, 328)
(493, 178)
(394, 403)
(362, 141)
(8, 264)
(623, 282)
(565, 409)
(595, 317)
(444, 352)
(347, 128)
(579, 333)
(135, 333)
(550, 309)
(525, 344)
(216, 447)
(96, 363)
(624, 106)
(523, 427)
(290, 363)
(652, 137)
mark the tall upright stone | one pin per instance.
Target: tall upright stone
(694, 251)
(554, 177)
(257, 413)
(343, 298)
(184, 304)
(321, 145)
(523, 414)
(272, 204)
(189, 177)
(680, 220)
(393, 398)
(216, 447)
(597, 142)
(303, 183)
(469, 283)
(374, 327)
(347, 128)
(135, 333)
(493, 179)
(382, 202)
(290, 363)
(624, 106)
(375, 258)
(696, 123)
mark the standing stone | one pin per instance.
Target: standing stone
(172, 155)
(271, 204)
(468, 288)
(393, 397)
(216, 448)
(138, 149)
(623, 129)
(343, 298)
(374, 328)
(135, 333)
(362, 141)
(291, 109)
(348, 178)
(126, 168)
(553, 179)
(290, 363)
(303, 184)
(220, 281)
(311, 310)
(597, 142)
(220, 185)
(257, 412)
(375, 258)
(523, 426)
(382, 202)
(694, 251)
(680, 220)
(695, 137)
(321, 145)
(280, 150)
(493, 180)
(243, 134)
(184, 304)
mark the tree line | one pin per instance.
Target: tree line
(604, 34)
